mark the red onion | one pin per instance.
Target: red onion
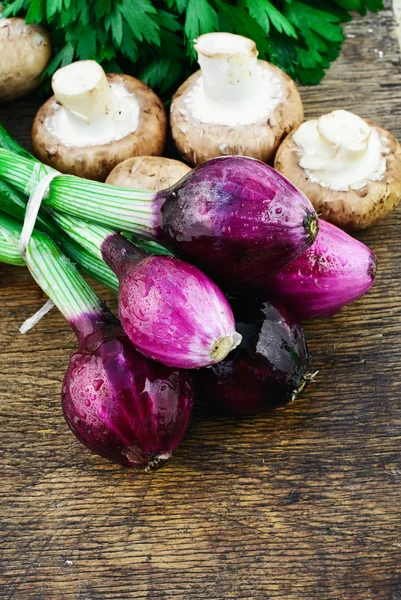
(119, 403)
(238, 219)
(267, 369)
(169, 309)
(336, 270)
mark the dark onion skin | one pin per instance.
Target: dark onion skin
(237, 219)
(120, 404)
(336, 270)
(268, 369)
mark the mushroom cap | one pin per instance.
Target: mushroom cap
(352, 209)
(198, 141)
(148, 172)
(25, 51)
(96, 162)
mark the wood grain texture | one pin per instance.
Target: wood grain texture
(302, 504)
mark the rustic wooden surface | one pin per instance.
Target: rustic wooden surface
(303, 504)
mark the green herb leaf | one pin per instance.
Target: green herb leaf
(64, 57)
(86, 47)
(36, 12)
(265, 13)
(129, 48)
(13, 8)
(306, 17)
(180, 5)
(53, 7)
(102, 8)
(374, 5)
(168, 21)
(200, 18)
(237, 20)
(138, 14)
(161, 72)
(115, 25)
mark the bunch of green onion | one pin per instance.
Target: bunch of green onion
(79, 241)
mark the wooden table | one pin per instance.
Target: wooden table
(302, 504)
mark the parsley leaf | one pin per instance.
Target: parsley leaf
(200, 18)
(265, 13)
(139, 15)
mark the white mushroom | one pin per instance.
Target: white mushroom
(348, 167)
(25, 51)
(235, 104)
(95, 121)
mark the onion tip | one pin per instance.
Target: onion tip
(311, 226)
(224, 345)
(157, 462)
(372, 270)
(150, 462)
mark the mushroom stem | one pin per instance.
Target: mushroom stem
(340, 150)
(229, 68)
(341, 131)
(82, 89)
(92, 111)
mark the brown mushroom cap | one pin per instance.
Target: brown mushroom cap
(25, 51)
(148, 172)
(198, 141)
(352, 209)
(96, 162)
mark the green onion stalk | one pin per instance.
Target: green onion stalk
(91, 236)
(88, 263)
(52, 270)
(9, 236)
(14, 203)
(82, 258)
(119, 208)
(7, 142)
(84, 251)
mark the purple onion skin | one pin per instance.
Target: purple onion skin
(268, 368)
(238, 219)
(170, 310)
(120, 404)
(336, 270)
